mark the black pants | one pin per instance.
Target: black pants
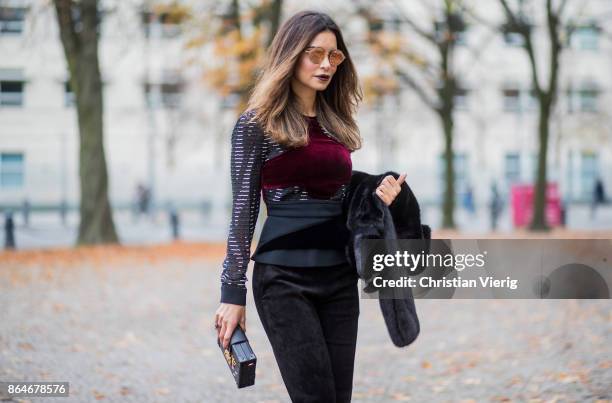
(310, 316)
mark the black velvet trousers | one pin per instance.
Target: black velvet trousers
(310, 315)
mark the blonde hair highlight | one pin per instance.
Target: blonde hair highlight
(275, 105)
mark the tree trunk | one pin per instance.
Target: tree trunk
(80, 43)
(276, 9)
(547, 100)
(538, 222)
(448, 206)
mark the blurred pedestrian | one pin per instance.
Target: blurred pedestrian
(468, 199)
(174, 221)
(25, 210)
(206, 207)
(9, 230)
(142, 200)
(63, 210)
(495, 206)
(564, 206)
(599, 196)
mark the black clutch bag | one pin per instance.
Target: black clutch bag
(240, 358)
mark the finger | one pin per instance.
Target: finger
(386, 190)
(401, 178)
(397, 187)
(389, 184)
(228, 335)
(222, 333)
(382, 196)
(395, 183)
(391, 194)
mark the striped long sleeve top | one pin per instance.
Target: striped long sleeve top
(259, 166)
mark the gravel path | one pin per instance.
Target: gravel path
(135, 331)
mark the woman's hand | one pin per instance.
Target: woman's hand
(389, 188)
(226, 319)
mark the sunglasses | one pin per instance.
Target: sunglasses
(316, 55)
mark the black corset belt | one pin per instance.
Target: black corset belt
(303, 233)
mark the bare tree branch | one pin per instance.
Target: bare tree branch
(66, 26)
(476, 52)
(533, 63)
(509, 13)
(480, 20)
(561, 8)
(555, 47)
(420, 91)
(520, 26)
(422, 32)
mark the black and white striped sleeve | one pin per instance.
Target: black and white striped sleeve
(246, 159)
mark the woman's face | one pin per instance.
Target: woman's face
(316, 76)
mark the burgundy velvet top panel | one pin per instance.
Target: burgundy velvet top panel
(320, 167)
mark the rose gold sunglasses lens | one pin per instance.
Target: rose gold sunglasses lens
(316, 55)
(336, 57)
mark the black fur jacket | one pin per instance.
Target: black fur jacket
(368, 217)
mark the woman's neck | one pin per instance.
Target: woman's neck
(306, 98)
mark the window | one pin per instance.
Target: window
(69, 97)
(514, 33)
(531, 101)
(164, 20)
(586, 37)
(230, 101)
(461, 171)
(569, 96)
(11, 170)
(512, 168)
(519, 100)
(588, 99)
(514, 39)
(460, 166)
(532, 172)
(12, 20)
(167, 95)
(376, 24)
(588, 174)
(461, 98)
(171, 94)
(461, 38)
(11, 93)
(392, 24)
(454, 25)
(512, 99)
(585, 99)
(76, 17)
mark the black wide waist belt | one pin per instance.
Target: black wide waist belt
(303, 233)
(305, 208)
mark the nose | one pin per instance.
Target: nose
(325, 63)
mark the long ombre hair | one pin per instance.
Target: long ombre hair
(276, 106)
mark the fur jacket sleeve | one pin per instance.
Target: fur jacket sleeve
(368, 217)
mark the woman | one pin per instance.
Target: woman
(293, 144)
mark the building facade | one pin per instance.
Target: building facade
(166, 130)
